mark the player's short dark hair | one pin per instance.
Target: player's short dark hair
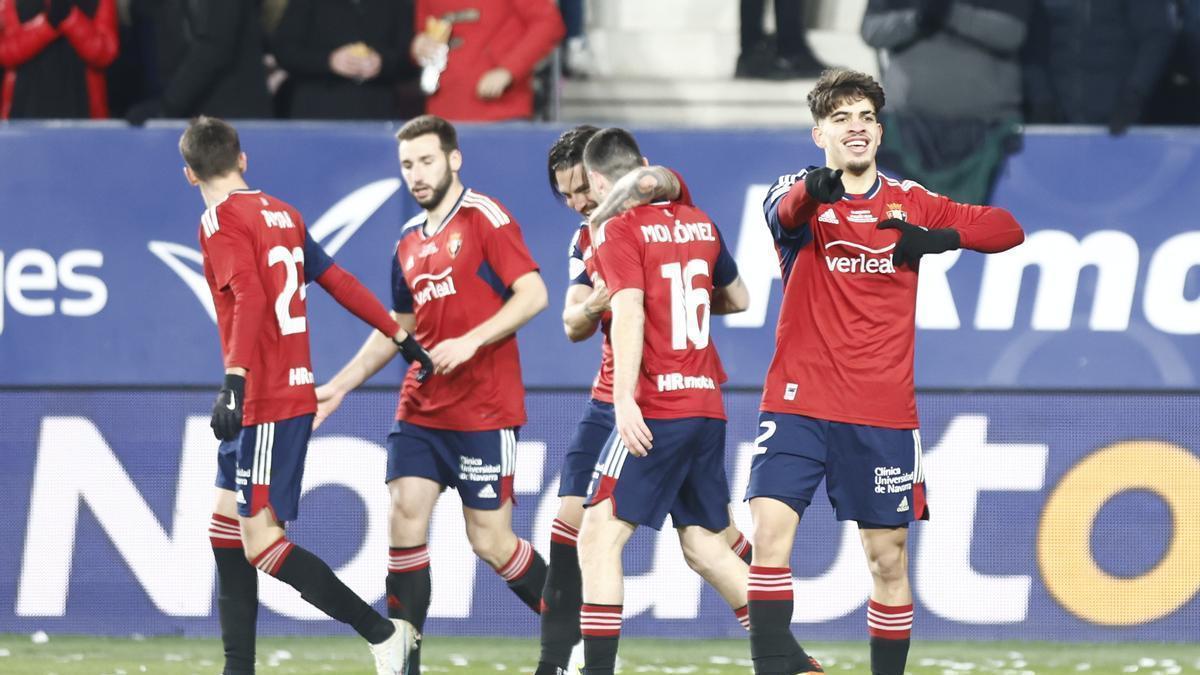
(612, 153)
(210, 147)
(430, 124)
(838, 86)
(567, 151)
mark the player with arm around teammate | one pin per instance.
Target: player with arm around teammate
(585, 311)
(666, 455)
(463, 281)
(839, 401)
(257, 256)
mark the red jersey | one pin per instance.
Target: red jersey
(453, 280)
(844, 344)
(488, 34)
(581, 269)
(675, 255)
(257, 248)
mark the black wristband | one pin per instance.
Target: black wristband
(234, 383)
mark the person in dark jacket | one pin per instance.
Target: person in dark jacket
(952, 71)
(345, 58)
(210, 60)
(1093, 62)
(54, 54)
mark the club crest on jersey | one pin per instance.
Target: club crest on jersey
(455, 244)
(896, 210)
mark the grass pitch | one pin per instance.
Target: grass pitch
(71, 655)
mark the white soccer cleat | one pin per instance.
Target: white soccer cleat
(392, 655)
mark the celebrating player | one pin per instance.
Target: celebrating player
(838, 402)
(463, 282)
(662, 263)
(585, 310)
(257, 257)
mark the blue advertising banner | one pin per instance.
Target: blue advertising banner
(100, 281)
(1055, 517)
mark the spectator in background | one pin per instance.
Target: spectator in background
(952, 72)
(494, 46)
(785, 57)
(1095, 62)
(210, 60)
(345, 58)
(54, 54)
(577, 57)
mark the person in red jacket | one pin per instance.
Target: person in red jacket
(54, 54)
(493, 48)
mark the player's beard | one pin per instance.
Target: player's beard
(857, 167)
(438, 193)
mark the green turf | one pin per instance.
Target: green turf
(70, 655)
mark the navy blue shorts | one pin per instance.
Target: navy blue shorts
(479, 464)
(873, 475)
(584, 450)
(264, 465)
(683, 475)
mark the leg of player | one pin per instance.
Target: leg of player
(769, 593)
(267, 546)
(491, 535)
(563, 593)
(237, 586)
(709, 555)
(408, 583)
(738, 541)
(601, 540)
(890, 609)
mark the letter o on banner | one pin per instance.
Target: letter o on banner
(1064, 547)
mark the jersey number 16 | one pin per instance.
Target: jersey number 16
(690, 305)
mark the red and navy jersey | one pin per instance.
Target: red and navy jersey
(581, 269)
(844, 344)
(452, 280)
(257, 247)
(674, 254)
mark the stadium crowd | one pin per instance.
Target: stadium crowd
(1114, 63)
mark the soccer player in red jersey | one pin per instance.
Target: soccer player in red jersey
(585, 311)
(663, 263)
(464, 282)
(257, 257)
(838, 402)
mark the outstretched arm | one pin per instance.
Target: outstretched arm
(376, 352)
(641, 186)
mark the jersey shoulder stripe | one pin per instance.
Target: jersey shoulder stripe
(489, 208)
(906, 185)
(410, 226)
(209, 222)
(783, 184)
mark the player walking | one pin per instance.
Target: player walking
(662, 263)
(838, 402)
(463, 282)
(257, 257)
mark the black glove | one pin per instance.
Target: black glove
(412, 350)
(227, 411)
(58, 10)
(138, 113)
(916, 241)
(824, 184)
(931, 15)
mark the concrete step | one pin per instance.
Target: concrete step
(699, 103)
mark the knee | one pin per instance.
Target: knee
(699, 563)
(889, 564)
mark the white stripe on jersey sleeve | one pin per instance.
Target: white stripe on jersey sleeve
(487, 207)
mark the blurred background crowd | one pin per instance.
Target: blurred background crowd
(962, 76)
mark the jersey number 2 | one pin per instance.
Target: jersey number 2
(292, 259)
(690, 306)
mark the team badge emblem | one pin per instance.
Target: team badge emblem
(455, 244)
(896, 211)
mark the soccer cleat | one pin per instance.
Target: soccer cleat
(806, 664)
(392, 655)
